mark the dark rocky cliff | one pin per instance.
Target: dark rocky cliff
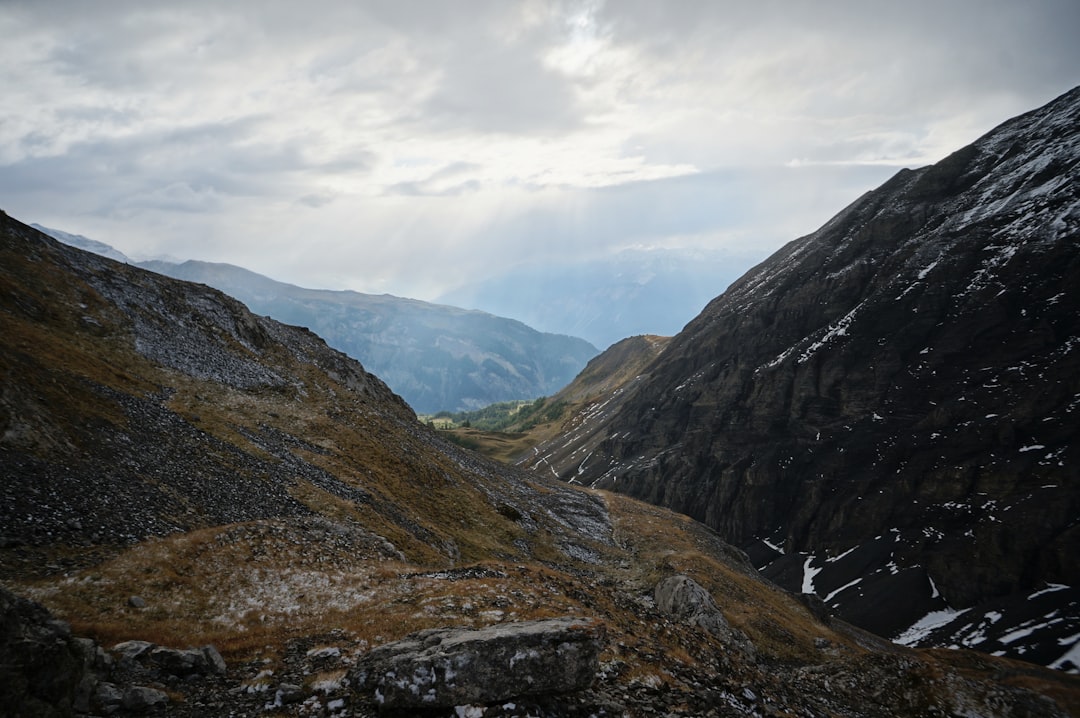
(905, 381)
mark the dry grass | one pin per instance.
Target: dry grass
(663, 544)
(246, 586)
(251, 589)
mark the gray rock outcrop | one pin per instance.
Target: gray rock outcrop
(448, 667)
(143, 699)
(685, 599)
(176, 662)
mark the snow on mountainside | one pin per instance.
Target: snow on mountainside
(894, 401)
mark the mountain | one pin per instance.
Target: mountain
(632, 293)
(84, 243)
(436, 357)
(885, 412)
(179, 472)
(598, 387)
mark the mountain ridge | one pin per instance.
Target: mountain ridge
(437, 357)
(927, 333)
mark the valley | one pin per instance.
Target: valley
(180, 472)
(855, 466)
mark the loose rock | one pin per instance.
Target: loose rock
(142, 699)
(685, 599)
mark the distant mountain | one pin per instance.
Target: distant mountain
(635, 292)
(84, 243)
(886, 412)
(179, 472)
(436, 357)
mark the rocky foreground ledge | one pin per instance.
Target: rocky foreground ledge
(46, 671)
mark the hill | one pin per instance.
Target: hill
(181, 472)
(884, 412)
(511, 432)
(438, 358)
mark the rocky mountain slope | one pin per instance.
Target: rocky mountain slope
(231, 518)
(887, 411)
(436, 357)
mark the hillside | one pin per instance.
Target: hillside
(884, 412)
(596, 388)
(180, 472)
(436, 357)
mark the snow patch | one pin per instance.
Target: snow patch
(1070, 662)
(846, 586)
(808, 575)
(926, 270)
(1050, 588)
(925, 625)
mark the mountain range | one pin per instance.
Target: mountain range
(208, 512)
(885, 412)
(437, 357)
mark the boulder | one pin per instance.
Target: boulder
(177, 662)
(130, 651)
(450, 667)
(686, 600)
(108, 699)
(213, 662)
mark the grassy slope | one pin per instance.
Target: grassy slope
(607, 373)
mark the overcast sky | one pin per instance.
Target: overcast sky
(405, 147)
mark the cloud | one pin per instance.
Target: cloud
(402, 146)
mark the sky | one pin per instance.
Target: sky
(414, 147)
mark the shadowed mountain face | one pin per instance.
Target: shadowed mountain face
(436, 357)
(903, 385)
